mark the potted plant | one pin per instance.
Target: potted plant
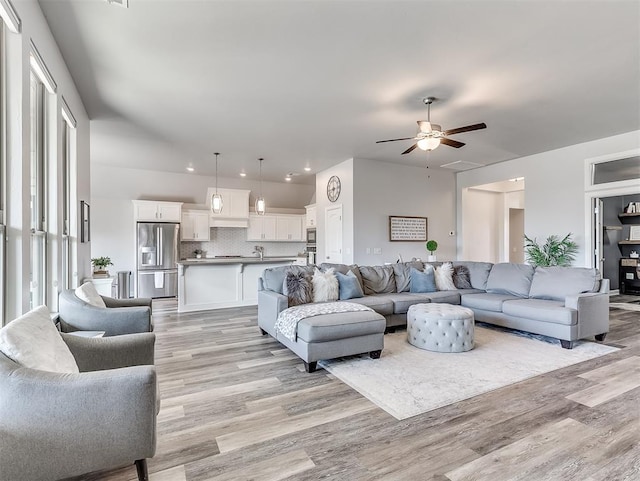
(554, 252)
(100, 265)
(432, 246)
(197, 253)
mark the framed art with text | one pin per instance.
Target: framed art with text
(407, 229)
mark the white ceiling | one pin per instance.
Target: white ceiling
(167, 83)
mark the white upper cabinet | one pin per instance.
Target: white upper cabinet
(261, 228)
(311, 215)
(235, 208)
(289, 228)
(275, 228)
(195, 225)
(156, 211)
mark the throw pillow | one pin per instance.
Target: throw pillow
(402, 272)
(378, 279)
(462, 277)
(422, 281)
(87, 292)
(349, 286)
(298, 289)
(325, 286)
(33, 341)
(444, 277)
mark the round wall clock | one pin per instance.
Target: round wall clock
(333, 188)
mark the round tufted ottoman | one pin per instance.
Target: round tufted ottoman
(440, 327)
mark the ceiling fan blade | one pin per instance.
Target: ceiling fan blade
(394, 140)
(451, 143)
(468, 128)
(410, 149)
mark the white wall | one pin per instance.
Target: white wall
(555, 187)
(384, 189)
(482, 225)
(17, 45)
(113, 189)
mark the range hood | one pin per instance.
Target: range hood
(235, 208)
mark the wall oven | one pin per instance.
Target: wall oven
(311, 236)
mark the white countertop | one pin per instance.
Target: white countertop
(235, 260)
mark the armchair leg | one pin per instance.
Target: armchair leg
(143, 472)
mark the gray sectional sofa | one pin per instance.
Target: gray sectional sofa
(567, 303)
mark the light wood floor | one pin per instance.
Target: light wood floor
(237, 406)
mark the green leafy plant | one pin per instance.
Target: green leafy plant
(432, 246)
(101, 263)
(554, 252)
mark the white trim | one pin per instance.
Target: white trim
(66, 113)
(40, 69)
(10, 16)
(588, 172)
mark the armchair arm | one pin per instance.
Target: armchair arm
(135, 302)
(114, 321)
(95, 354)
(75, 422)
(270, 304)
(593, 312)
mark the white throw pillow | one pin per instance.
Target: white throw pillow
(444, 277)
(325, 286)
(33, 341)
(87, 292)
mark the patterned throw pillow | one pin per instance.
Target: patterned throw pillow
(325, 286)
(462, 277)
(298, 289)
(444, 277)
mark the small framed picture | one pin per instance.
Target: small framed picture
(634, 232)
(85, 222)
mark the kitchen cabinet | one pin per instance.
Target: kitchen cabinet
(235, 208)
(310, 220)
(261, 228)
(156, 211)
(195, 225)
(275, 228)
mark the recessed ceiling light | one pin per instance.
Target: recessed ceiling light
(190, 169)
(287, 178)
(307, 169)
(243, 174)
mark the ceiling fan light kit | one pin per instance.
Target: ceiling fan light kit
(430, 136)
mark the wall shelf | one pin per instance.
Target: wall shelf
(629, 242)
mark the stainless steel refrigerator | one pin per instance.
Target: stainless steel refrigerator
(157, 254)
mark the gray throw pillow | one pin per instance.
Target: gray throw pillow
(422, 281)
(378, 279)
(461, 277)
(402, 272)
(343, 269)
(298, 288)
(349, 286)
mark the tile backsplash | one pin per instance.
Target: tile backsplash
(231, 241)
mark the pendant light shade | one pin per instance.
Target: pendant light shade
(216, 199)
(261, 206)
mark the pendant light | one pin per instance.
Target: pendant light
(260, 204)
(216, 199)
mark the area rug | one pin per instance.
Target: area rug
(407, 381)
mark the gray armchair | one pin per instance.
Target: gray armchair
(55, 426)
(122, 316)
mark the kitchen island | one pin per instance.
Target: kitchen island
(222, 282)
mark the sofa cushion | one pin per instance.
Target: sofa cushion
(470, 291)
(378, 279)
(343, 269)
(380, 303)
(422, 281)
(461, 277)
(325, 286)
(343, 325)
(349, 286)
(557, 283)
(444, 277)
(88, 293)
(509, 278)
(403, 300)
(478, 272)
(541, 310)
(402, 271)
(273, 278)
(298, 288)
(33, 341)
(486, 301)
(448, 297)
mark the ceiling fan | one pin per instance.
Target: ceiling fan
(430, 136)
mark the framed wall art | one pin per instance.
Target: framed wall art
(407, 229)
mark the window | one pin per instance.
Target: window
(38, 271)
(3, 195)
(617, 170)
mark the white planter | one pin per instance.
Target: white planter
(431, 259)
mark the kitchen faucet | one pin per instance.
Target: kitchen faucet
(259, 250)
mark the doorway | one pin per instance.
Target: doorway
(516, 235)
(333, 234)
